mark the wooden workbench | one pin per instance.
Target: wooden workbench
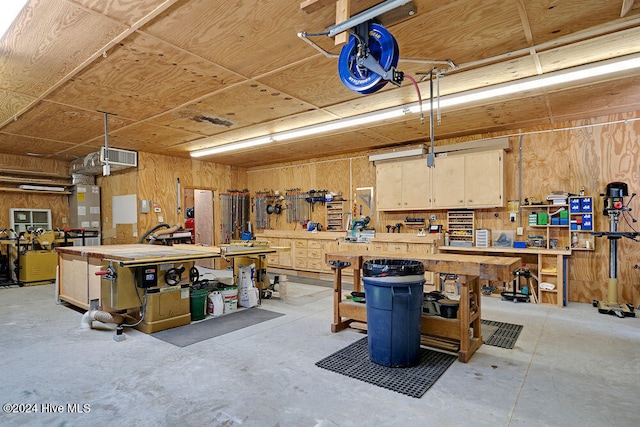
(439, 331)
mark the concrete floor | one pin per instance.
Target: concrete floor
(570, 367)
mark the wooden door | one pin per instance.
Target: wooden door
(389, 186)
(416, 184)
(203, 220)
(448, 182)
(484, 179)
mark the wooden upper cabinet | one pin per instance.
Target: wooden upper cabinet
(416, 184)
(448, 182)
(474, 180)
(484, 179)
(403, 185)
(388, 186)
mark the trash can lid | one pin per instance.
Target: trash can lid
(392, 267)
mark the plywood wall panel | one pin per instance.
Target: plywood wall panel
(562, 160)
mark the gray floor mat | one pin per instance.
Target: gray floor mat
(212, 327)
(505, 335)
(353, 361)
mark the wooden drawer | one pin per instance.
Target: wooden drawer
(300, 243)
(301, 263)
(314, 253)
(301, 253)
(378, 247)
(314, 244)
(315, 264)
(397, 247)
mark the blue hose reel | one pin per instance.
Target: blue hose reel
(367, 62)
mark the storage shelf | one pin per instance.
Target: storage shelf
(14, 178)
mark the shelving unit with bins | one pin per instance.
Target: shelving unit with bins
(460, 226)
(582, 222)
(335, 213)
(548, 231)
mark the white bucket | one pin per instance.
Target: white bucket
(229, 293)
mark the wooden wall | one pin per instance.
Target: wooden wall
(59, 204)
(563, 160)
(155, 179)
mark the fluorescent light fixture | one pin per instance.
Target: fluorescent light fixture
(341, 124)
(9, 11)
(248, 143)
(537, 82)
(397, 154)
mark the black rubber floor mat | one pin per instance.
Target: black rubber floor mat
(353, 361)
(505, 336)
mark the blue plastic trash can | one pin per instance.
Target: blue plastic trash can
(393, 297)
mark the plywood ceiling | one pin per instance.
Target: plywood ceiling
(179, 75)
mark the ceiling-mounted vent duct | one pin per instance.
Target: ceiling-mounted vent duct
(92, 163)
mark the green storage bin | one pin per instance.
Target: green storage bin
(543, 218)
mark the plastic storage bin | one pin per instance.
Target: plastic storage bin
(393, 297)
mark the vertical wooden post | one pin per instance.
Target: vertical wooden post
(342, 14)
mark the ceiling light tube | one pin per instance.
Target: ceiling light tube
(539, 82)
(340, 124)
(248, 143)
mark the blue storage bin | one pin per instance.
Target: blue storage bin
(555, 221)
(575, 205)
(564, 221)
(587, 221)
(586, 204)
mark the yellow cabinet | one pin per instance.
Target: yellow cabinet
(403, 185)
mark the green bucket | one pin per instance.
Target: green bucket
(198, 302)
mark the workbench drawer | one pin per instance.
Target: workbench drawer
(301, 253)
(315, 264)
(378, 247)
(300, 243)
(301, 263)
(314, 253)
(314, 244)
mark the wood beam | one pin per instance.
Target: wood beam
(310, 6)
(343, 8)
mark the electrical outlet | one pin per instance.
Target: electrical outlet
(432, 218)
(519, 231)
(160, 218)
(64, 220)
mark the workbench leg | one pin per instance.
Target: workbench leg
(337, 297)
(463, 311)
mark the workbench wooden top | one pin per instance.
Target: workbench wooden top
(486, 267)
(128, 252)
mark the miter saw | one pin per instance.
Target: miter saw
(358, 231)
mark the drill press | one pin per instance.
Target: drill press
(614, 206)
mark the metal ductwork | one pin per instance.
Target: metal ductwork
(92, 164)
